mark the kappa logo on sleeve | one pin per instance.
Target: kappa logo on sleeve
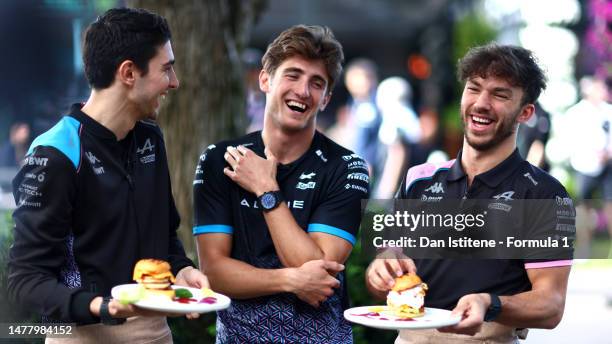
(93, 160)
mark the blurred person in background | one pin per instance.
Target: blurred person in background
(94, 194)
(277, 211)
(586, 130)
(532, 138)
(14, 149)
(364, 118)
(339, 131)
(495, 298)
(399, 133)
(255, 98)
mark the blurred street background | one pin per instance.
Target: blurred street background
(397, 105)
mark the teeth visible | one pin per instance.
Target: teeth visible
(294, 103)
(481, 120)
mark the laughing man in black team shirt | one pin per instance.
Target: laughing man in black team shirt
(494, 297)
(277, 211)
(94, 195)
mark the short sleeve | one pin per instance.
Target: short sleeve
(340, 210)
(211, 200)
(554, 218)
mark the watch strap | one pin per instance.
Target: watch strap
(105, 316)
(494, 308)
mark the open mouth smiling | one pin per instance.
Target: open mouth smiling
(297, 106)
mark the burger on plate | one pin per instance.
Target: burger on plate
(155, 276)
(407, 297)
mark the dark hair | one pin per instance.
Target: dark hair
(122, 34)
(310, 42)
(515, 64)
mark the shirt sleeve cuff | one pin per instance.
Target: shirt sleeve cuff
(548, 264)
(319, 227)
(79, 308)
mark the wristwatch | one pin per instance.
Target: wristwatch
(494, 308)
(270, 200)
(105, 317)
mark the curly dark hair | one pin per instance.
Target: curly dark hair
(515, 64)
(310, 42)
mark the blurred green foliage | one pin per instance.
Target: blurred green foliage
(10, 313)
(469, 31)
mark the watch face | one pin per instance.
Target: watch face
(268, 201)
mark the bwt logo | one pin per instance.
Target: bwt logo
(34, 160)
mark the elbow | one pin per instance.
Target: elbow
(554, 319)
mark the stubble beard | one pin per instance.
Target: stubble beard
(507, 128)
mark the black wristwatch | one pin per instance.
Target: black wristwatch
(494, 309)
(270, 200)
(105, 317)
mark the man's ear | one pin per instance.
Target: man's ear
(325, 101)
(526, 113)
(264, 81)
(126, 73)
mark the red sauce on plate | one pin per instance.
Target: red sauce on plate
(184, 300)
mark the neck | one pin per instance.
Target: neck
(475, 162)
(110, 108)
(286, 146)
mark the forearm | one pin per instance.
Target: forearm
(240, 280)
(293, 245)
(532, 309)
(46, 296)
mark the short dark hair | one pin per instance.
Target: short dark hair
(515, 64)
(122, 34)
(311, 42)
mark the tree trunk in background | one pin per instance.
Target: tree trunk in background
(207, 38)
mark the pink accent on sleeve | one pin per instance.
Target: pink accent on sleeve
(549, 264)
(425, 171)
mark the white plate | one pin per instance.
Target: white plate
(166, 305)
(380, 317)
